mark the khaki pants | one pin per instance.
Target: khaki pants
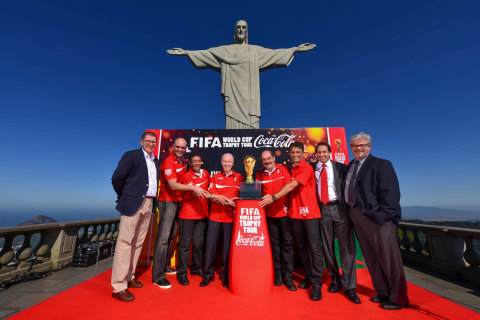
(133, 230)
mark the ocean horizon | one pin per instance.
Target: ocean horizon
(12, 218)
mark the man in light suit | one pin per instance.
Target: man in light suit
(373, 195)
(335, 222)
(136, 182)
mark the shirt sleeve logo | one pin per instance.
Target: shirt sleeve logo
(168, 172)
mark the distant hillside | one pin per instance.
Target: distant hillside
(38, 219)
(439, 214)
(456, 224)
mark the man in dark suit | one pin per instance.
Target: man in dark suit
(373, 195)
(330, 181)
(136, 183)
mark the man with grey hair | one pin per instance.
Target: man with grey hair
(224, 184)
(240, 64)
(169, 199)
(373, 196)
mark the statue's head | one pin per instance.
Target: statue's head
(241, 32)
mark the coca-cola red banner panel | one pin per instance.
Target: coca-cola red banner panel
(211, 144)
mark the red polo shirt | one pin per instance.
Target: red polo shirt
(194, 207)
(304, 200)
(271, 184)
(171, 168)
(229, 187)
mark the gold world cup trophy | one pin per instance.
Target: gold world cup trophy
(249, 163)
(338, 142)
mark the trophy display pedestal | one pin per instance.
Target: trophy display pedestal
(251, 265)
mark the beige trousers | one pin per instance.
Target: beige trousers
(133, 230)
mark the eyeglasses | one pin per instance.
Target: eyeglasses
(150, 142)
(359, 145)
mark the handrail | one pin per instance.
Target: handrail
(56, 244)
(450, 251)
(54, 225)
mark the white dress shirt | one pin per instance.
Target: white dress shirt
(152, 175)
(332, 191)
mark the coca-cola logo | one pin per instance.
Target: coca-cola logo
(253, 241)
(282, 141)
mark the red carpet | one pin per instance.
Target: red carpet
(92, 300)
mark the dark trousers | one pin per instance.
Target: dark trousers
(213, 233)
(337, 224)
(307, 237)
(167, 229)
(190, 231)
(280, 232)
(382, 255)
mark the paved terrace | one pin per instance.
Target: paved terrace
(24, 295)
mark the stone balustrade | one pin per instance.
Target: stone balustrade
(450, 251)
(453, 252)
(49, 246)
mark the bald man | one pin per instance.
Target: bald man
(169, 199)
(224, 184)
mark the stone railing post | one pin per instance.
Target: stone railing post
(447, 250)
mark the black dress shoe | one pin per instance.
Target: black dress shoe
(205, 282)
(389, 305)
(316, 293)
(183, 280)
(290, 285)
(170, 270)
(305, 284)
(225, 283)
(379, 298)
(163, 283)
(277, 281)
(335, 287)
(352, 296)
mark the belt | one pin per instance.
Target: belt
(330, 203)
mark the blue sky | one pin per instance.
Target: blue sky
(81, 80)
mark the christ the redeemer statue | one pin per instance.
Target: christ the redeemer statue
(240, 65)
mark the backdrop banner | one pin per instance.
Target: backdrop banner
(211, 144)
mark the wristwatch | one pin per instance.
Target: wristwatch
(274, 198)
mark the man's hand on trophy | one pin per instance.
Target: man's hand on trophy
(305, 47)
(177, 52)
(267, 199)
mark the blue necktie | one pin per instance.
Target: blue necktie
(351, 186)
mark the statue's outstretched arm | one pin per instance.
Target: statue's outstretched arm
(305, 47)
(177, 52)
